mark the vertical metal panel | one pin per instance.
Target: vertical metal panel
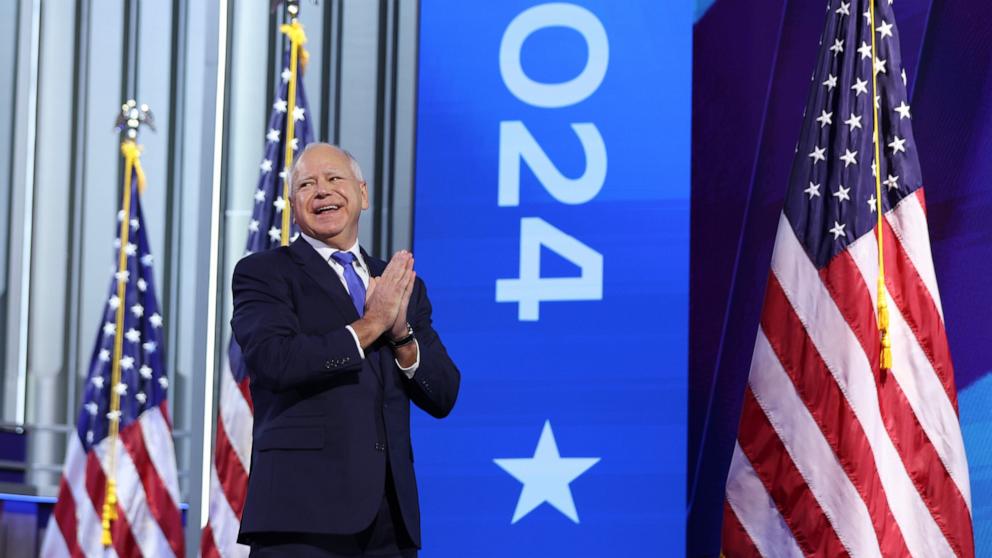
(49, 267)
(11, 54)
(405, 119)
(359, 71)
(312, 18)
(207, 222)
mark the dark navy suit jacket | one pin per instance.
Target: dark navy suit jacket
(327, 421)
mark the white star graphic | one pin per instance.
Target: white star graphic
(131, 249)
(903, 110)
(164, 382)
(813, 190)
(142, 285)
(275, 234)
(135, 224)
(294, 143)
(897, 144)
(546, 476)
(138, 310)
(831, 82)
(838, 47)
(853, 122)
(873, 203)
(825, 118)
(259, 196)
(842, 193)
(885, 30)
(155, 320)
(849, 158)
(864, 50)
(818, 154)
(133, 335)
(147, 260)
(253, 225)
(837, 230)
(104, 356)
(279, 204)
(127, 362)
(123, 276)
(114, 302)
(114, 416)
(298, 113)
(145, 372)
(97, 381)
(892, 182)
(109, 328)
(266, 166)
(149, 346)
(140, 397)
(844, 9)
(286, 74)
(860, 86)
(272, 135)
(121, 388)
(280, 105)
(92, 408)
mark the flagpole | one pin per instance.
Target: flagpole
(293, 30)
(130, 119)
(883, 307)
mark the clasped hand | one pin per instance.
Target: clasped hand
(388, 296)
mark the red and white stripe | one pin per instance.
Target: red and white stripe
(229, 472)
(149, 522)
(835, 456)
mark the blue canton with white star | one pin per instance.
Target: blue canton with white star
(830, 201)
(144, 382)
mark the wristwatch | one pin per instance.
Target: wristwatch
(405, 340)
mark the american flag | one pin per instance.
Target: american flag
(836, 456)
(232, 451)
(149, 521)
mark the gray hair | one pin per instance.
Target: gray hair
(356, 169)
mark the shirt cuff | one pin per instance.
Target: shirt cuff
(358, 343)
(409, 372)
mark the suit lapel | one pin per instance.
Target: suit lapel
(322, 274)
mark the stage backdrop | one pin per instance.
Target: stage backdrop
(552, 223)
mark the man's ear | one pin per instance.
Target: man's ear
(365, 194)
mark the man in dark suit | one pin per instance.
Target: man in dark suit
(337, 344)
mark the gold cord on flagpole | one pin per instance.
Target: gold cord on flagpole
(131, 153)
(883, 307)
(293, 30)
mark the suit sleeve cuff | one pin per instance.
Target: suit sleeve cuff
(409, 372)
(361, 352)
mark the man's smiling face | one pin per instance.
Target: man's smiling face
(327, 197)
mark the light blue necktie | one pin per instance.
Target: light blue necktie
(355, 286)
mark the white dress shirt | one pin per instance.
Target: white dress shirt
(362, 271)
